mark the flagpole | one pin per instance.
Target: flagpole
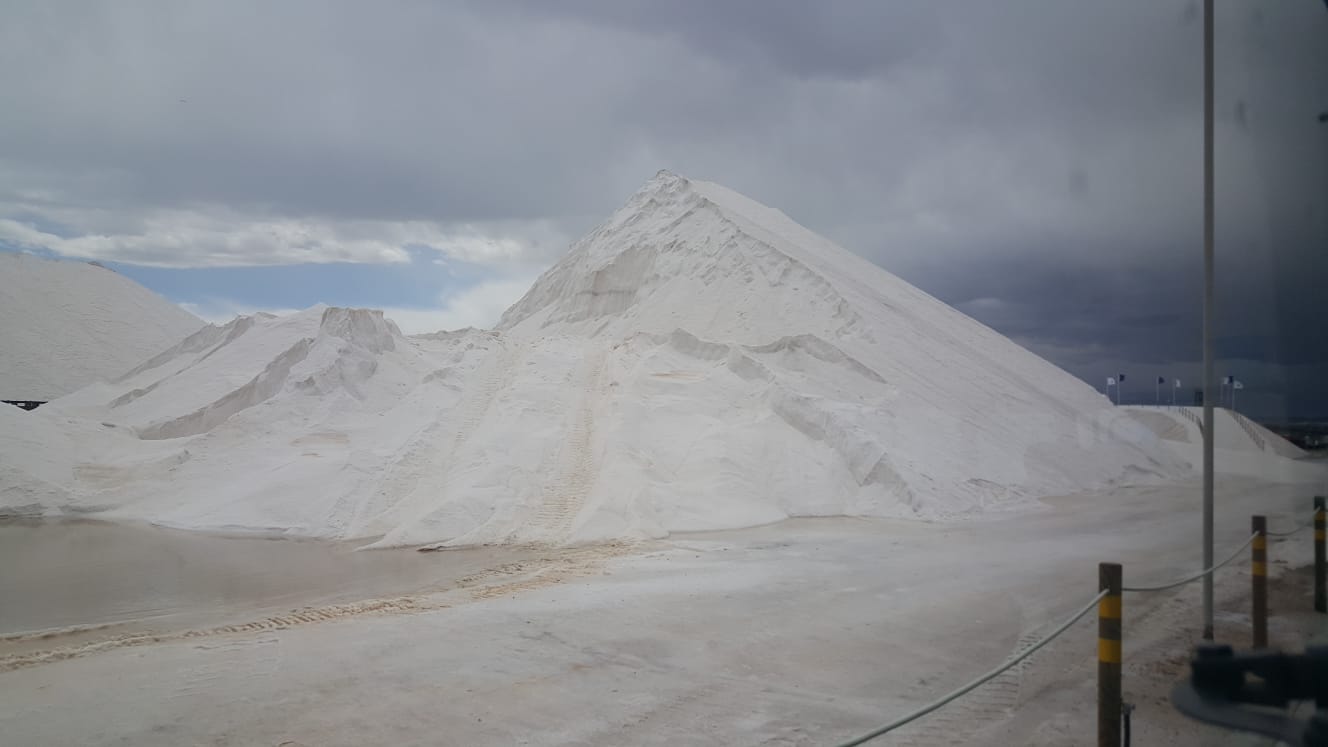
(1208, 322)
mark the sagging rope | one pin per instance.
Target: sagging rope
(1290, 532)
(1196, 576)
(919, 713)
(973, 685)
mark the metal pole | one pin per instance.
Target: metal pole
(1259, 581)
(1320, 588)
(1109, 656)
(1208, 324)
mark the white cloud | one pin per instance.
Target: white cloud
(202, 243)
(480, 306)
(220, 237)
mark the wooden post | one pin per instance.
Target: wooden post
(1320, 572)
(1109, 656)
(1259, 579)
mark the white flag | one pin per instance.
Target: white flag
(1237, 385)
(1111, 381)
(1178, 383)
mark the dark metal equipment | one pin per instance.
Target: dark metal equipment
(1254, 691)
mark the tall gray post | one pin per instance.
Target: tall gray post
(1209, 382)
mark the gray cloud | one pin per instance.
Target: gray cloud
(1042, 155)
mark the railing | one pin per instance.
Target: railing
(1108, 602)
(1250, 431)
(1190, 416)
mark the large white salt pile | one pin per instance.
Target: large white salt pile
(699, 361)
(68, 324)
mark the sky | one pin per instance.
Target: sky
(1038, 165)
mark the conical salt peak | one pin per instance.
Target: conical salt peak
(662, 185)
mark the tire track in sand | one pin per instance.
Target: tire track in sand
(958, 722)
(289, 620)
(568, 564)
(564, 496)
(503, 580)
(408, 475)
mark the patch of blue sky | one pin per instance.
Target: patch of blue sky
(418, 283)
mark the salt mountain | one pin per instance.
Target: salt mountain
(699, 361)
(68, 324)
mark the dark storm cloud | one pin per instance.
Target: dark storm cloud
(846, 40)
(1035, 162)
(1146, 320)
(1148, 313)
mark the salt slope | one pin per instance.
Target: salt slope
(697, 362)
(68, 324)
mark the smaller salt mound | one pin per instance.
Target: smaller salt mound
(1234, 432)
(1165, 425)
(1271, 441)
(192, 348)
(264, 425)
(220, 371)
(1236, 450)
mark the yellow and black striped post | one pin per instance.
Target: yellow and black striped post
(1259, 578)
(1320, 587)
(1109, 656)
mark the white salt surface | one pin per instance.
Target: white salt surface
(68, 324)
(697, 362)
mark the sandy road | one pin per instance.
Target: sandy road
(797, 633)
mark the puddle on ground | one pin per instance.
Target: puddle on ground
(81, 573)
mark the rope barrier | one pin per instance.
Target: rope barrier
(1290, 532)
(1196, 576)
(973, 685)
(919, 713)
